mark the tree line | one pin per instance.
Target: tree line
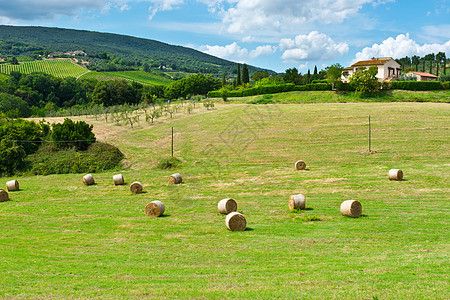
(37, 94)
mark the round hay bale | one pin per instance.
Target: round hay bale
(155, 209)
(395, 174)
(88, 179)
(136, 187)
(236, 222)
(12, 185)
(297, 201)
(300, 165)
(351, 208)
(3, 195)
(227, 206)
(118, 179)
(175, 178)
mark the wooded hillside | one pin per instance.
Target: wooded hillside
(20, 40)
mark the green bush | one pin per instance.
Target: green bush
(446, 85)
(14, 107)
(11, 157)
(72, 134)
(444, 77)
(168, 163)
(26, 134)
(272, 89)
(416, 85)
(49, 159)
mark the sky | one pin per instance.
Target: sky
(271, 34)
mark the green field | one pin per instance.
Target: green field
(155, 78)
(59, 68)
(61, 239)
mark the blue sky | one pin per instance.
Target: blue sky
(273, 34)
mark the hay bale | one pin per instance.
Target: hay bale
(118, 179)
(227, 206)
(300, 165)
(175, 178)
(155, 209)
(351, 208)
(297, 201)
(88, 179)
(395, 174)
(12, 185)
(136, 187)
(3, 195)
(236, 222)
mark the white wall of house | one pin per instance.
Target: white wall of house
(389, 69)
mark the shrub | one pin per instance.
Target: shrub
(49, 159)
(416, 85)
(168, 163)
(446, 85)
(444, 77)
(28, 134)
(272, 89)
(13, 106)
(11, 157)
(72, 134)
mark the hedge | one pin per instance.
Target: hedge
(416, 85)
(272, 89)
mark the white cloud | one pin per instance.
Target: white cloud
(400, 47)
(263, 50)
(312, 47)
(258, 15)
(236, 53)
(232, 52)
(162, 5)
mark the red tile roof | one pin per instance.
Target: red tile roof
(372, 62)
(423, 74)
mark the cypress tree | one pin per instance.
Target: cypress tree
(308, 76)
(224, 80)
(445, 64)
(431, 66)
(245, 77)
(238, 78)
(315, 70)
(423, 65)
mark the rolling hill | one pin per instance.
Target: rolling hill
(24, 40)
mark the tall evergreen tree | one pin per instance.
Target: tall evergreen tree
(423, 64)
(315, 70)
(224, 79)
(238, 78)
(245, 76)
(308, 76)
(445, 64)
(431, 66)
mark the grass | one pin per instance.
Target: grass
(344, 97)
(62, 239)
(154, 78)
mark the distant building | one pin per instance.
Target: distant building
(53, 54)
(422, 76)
(388, 69)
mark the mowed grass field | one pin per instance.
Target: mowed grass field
(61, 239)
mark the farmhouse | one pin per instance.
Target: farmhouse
(422, 76)
(388, 69)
